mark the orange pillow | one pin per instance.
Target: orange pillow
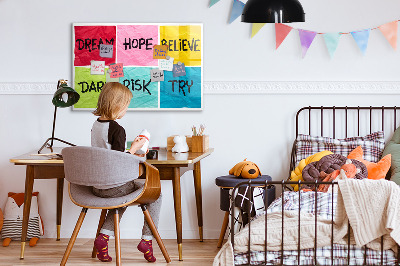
(375, 170)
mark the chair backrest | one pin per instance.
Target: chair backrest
(92, 166)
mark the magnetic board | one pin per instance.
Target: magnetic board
(125, 52)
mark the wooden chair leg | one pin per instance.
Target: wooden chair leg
(154, 230)
(73, 237)
(117, 238)
(101, 222)
(223, 229)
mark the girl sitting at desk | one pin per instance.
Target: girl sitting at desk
(106, 133)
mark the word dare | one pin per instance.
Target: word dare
(96, 87)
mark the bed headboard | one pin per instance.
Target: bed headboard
(344, 121)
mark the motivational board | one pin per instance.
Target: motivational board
(144, 58)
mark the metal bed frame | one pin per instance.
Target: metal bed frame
(284, 184)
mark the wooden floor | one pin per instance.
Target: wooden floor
(50, 252)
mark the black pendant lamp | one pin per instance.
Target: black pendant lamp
(273, 11)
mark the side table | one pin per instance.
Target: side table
(226, 183)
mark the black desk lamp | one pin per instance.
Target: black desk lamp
(273, 11)
(64, 97)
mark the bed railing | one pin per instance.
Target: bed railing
(283, 184)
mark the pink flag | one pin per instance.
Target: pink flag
(306, 39)
(281, 31)
(389, 30)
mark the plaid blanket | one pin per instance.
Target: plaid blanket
(322, 204)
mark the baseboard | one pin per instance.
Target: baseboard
(243, 87)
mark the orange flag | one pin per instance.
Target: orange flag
(389, 30)
(281, 31)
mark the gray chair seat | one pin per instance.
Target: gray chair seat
(83, 196)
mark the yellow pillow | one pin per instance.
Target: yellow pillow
(296, 174)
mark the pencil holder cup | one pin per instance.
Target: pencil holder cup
(200, 143)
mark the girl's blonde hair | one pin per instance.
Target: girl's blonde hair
(113, 97)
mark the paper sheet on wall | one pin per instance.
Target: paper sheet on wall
(106, 50)
(145, 92)
(116, 70)
(88, 86)
(87, 44)
(184, 43)
(179, 70)
(181, 92)
(160, 51)
(97, 67)
(157, 75)
(135, 44)
(166, 64)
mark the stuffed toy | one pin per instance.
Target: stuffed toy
(1, 220)
(13, 215)
(296, 174)
(180, 144)
(245, 169)
(375, 170)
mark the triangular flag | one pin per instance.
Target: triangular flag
(361, 37)
(306, 39)
(213, 2)
(237, 9)
(332, 41)
(256, 27)
(390, 32)
(281, 31)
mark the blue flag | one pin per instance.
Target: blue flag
(213, 2)
(361, 38)
(237, 9)
(332, 41)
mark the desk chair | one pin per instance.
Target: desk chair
(85, 167)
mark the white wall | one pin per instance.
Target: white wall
(36, 47)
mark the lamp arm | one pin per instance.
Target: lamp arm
(54, 126)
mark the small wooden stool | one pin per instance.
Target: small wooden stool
(226, 183)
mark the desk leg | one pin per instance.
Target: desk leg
(27, 206)
(60, 190)
(199, 204)
(176, 182)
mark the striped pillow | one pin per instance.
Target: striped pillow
(372, 145)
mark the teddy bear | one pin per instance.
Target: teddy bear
(180, 144)
(13, 215)
(245, 169)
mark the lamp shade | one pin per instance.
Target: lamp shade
(273, 11)
(65, 96)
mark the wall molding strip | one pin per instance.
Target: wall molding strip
(243, 87)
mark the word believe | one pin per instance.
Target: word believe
(92, 44)
(182, 45)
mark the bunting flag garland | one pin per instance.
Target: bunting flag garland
(306, 39)
(361, 38)
(213, 2)
(332, 41)
(389, 30)
(256, 27)
(237, 9)
(281, 31)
